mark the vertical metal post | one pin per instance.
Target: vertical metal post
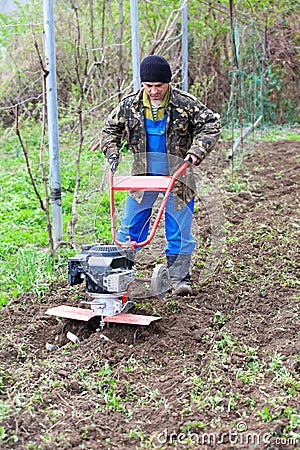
(184, 45)
(52, 114)
(135, 44)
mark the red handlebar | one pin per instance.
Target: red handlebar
(141, 183)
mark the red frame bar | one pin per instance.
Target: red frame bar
(142, 183)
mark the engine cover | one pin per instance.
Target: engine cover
(105, 268)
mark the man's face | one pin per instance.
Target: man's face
(156, 91)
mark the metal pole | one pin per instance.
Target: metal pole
(135, 44)
(184, 45)
(55, 182)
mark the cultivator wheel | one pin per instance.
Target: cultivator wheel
(159, 281)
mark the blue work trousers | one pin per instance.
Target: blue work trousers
(136, 221)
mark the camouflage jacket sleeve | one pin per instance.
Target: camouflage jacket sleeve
(113, 131)
(204, 125)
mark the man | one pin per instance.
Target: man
(163, 126)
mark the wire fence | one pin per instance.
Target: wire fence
(248, 75)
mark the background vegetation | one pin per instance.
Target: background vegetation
(258, 75)
(93, 44)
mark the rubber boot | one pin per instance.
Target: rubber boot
(180, 274)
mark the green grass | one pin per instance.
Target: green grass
(24, 245)
(280, 133)
(266, 133)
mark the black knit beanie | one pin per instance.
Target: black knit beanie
(155, 69)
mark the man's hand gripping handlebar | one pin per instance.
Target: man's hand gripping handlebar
(114, 161)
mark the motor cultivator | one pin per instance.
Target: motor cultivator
(108, 269)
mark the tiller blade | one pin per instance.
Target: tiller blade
(71, 312)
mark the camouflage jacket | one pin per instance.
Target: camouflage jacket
(191, 128)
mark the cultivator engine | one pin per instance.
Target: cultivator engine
(108, 273)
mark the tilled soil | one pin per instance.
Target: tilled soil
(220, 370)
